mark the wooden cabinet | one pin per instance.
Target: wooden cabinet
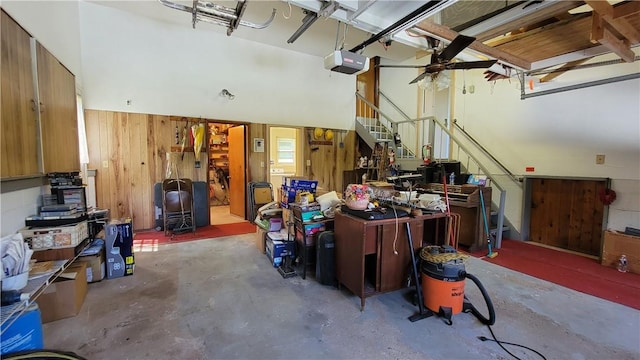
(58, 114)
(373, 257)
(18, 123)
(58, 124)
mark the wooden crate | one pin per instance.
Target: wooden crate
(616, 244)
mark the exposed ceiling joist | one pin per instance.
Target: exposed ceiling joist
(627, 9)
(622, 25)
(448, 35)
(619, 47)
(551, 10)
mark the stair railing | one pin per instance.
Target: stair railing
(383, 123)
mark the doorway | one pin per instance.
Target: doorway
(285, 154)
(226, 172)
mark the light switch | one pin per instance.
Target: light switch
(599, 159)
(105, 164)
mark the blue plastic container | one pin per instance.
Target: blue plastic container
(25, 333)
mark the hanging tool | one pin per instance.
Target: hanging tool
(184, 142)
(197, 131)
(491, 254)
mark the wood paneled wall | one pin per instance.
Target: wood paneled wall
(257, 161)
(567, 214)
(131, 151)
(329, 161)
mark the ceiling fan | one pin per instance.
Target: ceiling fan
(442, 60)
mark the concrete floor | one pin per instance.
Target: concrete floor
(221, 299)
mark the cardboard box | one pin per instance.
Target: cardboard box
(277, 249)
(288, 195)
(65, 296)
(119, 248)
(260, 239)
(616, 244)
(94, 257)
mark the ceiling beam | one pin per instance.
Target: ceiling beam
(627, 9)
(445, 33)
(620, 47)
(622, 25)
(552, 10)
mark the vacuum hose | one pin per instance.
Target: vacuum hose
(468, 307)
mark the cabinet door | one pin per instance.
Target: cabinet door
(18, 121)
(58, 114)
(394, 256)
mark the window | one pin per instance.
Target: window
(286, 151)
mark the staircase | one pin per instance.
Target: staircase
(372, 129)
(374, 126)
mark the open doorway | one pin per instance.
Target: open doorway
(226, 172)
(285, 154)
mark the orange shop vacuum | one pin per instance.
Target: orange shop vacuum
(441, 288)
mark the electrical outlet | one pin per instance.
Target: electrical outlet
(599, 159)
(261, 164)
(105, 164)
(308, 162)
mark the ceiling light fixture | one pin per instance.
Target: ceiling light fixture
(218, 14)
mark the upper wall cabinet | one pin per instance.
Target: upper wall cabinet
(55, 124)
(58, 114)
(18, 125)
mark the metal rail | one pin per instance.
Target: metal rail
(487, 153)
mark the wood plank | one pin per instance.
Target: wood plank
(561, 70)
(605, 10)
(619, 47)
(559, 8)
(136, 172)
(627, 9)
(103, 177)
(569, 37)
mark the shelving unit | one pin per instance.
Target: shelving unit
(218, 163)
(34, 288)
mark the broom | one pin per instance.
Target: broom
(491, 254)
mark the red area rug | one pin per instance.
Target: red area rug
(206, 232)
(573, 271)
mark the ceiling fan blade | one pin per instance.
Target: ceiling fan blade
(458, 44)
(470, 65)
(420, 77)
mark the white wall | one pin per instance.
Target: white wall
(561, 134)
(15, 206)
(55, 24)
(173, 69)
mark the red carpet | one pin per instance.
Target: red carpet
(205, 232)
(573, 271)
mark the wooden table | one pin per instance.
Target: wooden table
(372, 257)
